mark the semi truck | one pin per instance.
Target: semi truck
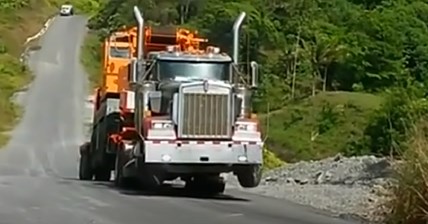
(173, 106)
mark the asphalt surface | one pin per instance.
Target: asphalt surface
(38, 168)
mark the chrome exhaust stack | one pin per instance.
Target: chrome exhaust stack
(236, 27)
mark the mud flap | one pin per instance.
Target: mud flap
(119, 179)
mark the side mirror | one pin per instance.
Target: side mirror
(254, 74)
(155, 100)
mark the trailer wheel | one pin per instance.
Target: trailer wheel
(103, 168)
(85, 171)
(250, 176)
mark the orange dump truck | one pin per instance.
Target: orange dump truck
(172, 106)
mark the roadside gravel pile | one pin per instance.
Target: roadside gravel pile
(349, 187)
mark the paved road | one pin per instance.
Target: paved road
(39, 167)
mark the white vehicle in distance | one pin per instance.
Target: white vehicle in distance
(67, 10)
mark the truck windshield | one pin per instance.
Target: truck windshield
(119, 52)
(65, 7)
(193, 70)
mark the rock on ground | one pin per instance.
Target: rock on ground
(352, 186)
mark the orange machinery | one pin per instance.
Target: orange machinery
(157, 38)
(112, 81)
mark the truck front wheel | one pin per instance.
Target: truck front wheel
(249, 176)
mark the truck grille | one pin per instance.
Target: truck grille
(205, 116)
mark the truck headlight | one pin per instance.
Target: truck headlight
(246, 127)
(242, 158)
(166, 158)
(162, 125)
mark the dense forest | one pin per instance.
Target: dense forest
(344, 76)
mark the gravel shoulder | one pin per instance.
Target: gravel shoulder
(349, 187)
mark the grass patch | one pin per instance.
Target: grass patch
(319, 126)
(271, 160)
(91, 58)
(409, 201)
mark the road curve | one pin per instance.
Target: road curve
(38, 168)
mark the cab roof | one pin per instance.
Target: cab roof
(66, 6)
(119, 44)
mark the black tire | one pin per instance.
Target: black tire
(250, 176)
(103, 168)
(102, 174)
(85, 171)
(149, 181)
(217, 188)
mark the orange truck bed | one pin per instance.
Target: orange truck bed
(121, 46)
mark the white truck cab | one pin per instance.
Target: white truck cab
(66, 10)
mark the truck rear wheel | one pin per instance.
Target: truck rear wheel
(85, 171)
(249, 176)
(103, 168)
(102, 171)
